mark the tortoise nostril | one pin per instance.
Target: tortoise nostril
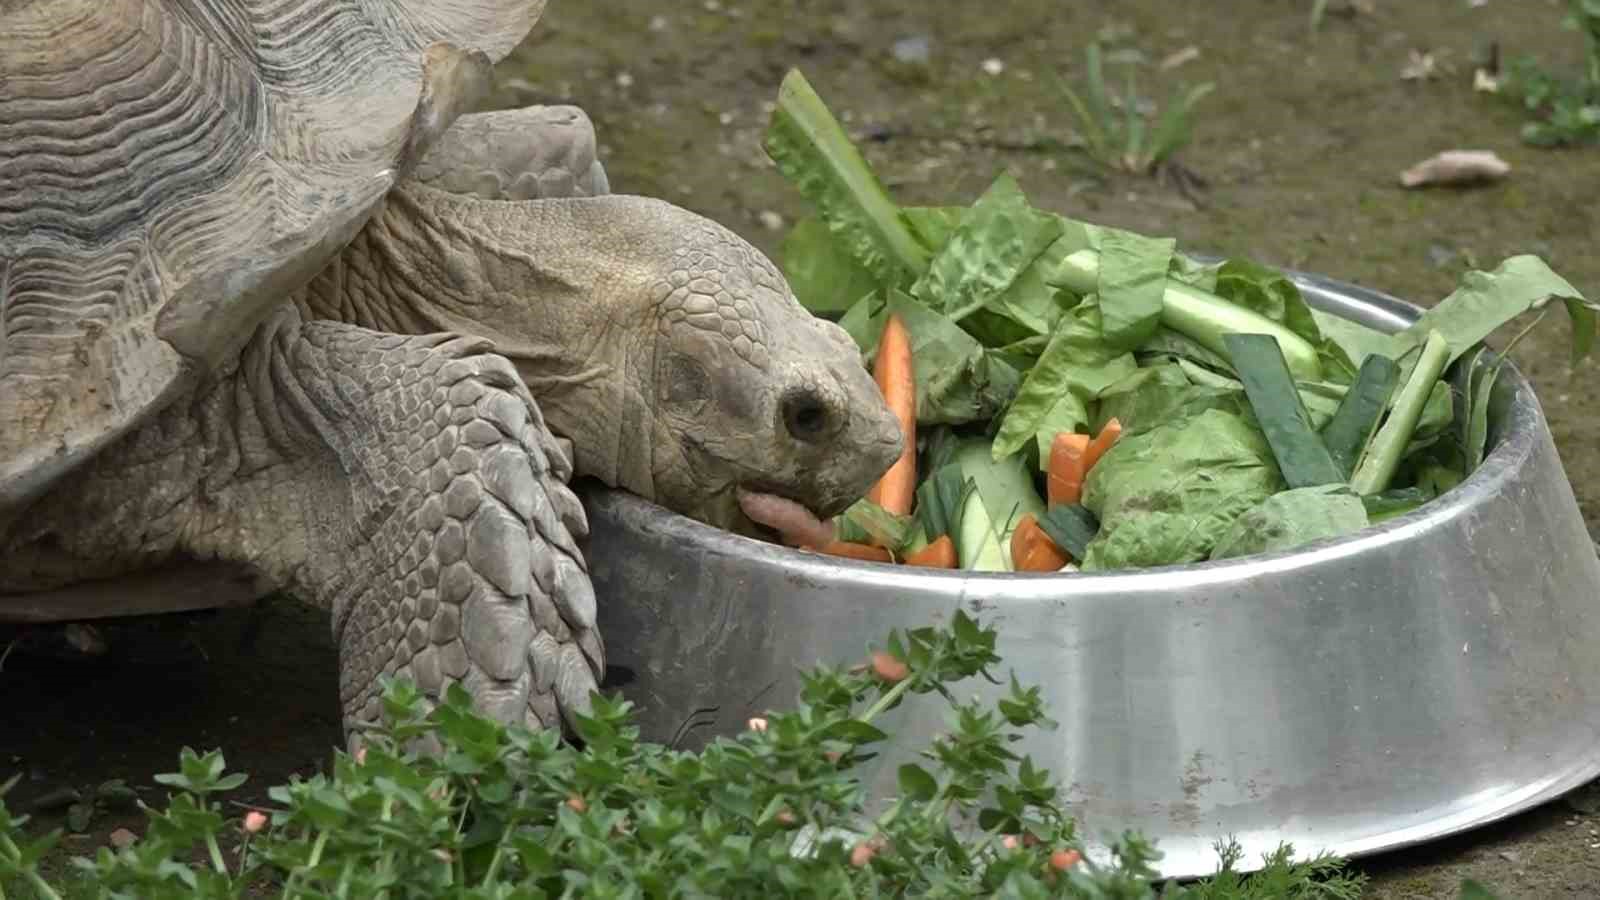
(805, 416)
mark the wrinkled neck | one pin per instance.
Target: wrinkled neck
(557, 285)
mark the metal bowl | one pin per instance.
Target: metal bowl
(1428, 675)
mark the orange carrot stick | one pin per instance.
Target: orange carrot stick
(857, 551)
(1108, 435)
(1032, 550)
(895, 373)
(1064, 481)
(939, 554)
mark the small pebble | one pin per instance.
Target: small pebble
(658, 23)
(992, 66)
(770, 220)
(912, 50)
(725, 118)
(122, 838)
(624, 80)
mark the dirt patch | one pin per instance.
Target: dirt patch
(1300, 147)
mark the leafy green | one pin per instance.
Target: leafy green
(825, 278)
(1158, 395)
(1168, 344)
(958, 379)
(816, 156)
(1293, 518)
(868, 523)
(1487, 300)
(1133, 276)
(1274, 295)
(1168, 494)
(1054, 396)
(998, 238)
(1395, 502)
(1302, 457)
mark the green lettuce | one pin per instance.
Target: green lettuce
(1055, 394)
(1169, 494)
(1291, 519)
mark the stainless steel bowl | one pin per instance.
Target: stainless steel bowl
(1431, 674)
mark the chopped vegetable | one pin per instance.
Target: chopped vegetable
(1302, 457)
(1356, 420)
(1378, 466)
(894, 370)
(1202, 316)
(1069, 464)
(1032, 550)
(1109, 432)
(1071, 528)
(1170, 410)
(938, 554)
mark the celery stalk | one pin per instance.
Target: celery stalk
(1200, 315)
(1377, 467)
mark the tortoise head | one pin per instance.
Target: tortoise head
(669, 350)
(753, 392)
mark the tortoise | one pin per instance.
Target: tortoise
(282, 310)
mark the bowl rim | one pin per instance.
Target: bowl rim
(1517, 435)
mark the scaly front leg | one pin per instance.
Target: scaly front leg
(407, 484)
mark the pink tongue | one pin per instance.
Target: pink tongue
(798, 525)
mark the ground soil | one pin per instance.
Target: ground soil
(1298, 149)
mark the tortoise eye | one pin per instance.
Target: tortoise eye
(806, 415)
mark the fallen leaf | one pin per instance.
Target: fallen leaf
(1174, 60)
(1456, 167)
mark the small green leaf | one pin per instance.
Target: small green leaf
(916, 784)
(79, 815)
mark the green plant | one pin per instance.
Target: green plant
(1117, 131)
(503, 812)
(1566, 111)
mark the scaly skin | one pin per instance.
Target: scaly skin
(406, 484)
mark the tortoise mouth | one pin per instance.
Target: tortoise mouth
(776, 518)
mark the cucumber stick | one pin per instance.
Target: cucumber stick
(1202, 316)
(1302, 457)
(1002, 492)
(1356, 420)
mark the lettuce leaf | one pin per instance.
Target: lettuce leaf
(825, 278)
(958, 379)
(1487, 300)
(1168, 495)
(1133, 276)
(816, 156)
(997, 239)
(1293, 518)
(1055, 394)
